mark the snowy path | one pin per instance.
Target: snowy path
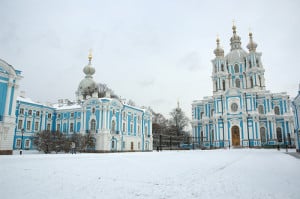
(240, 173)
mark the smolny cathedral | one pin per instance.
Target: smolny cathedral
(241, 112)
(115, 125)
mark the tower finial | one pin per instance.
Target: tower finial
(90, 55)
(233, 26)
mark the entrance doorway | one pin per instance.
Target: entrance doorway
(235, 136)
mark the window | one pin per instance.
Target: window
(250, 65)
(131, 128)
(27, 144)
(139, 145)
(212, 112)
(251, 82)
(48, 127)
(259, 79)
(263, 135)
(222, 67)
(261, 109)
(112, 144)
(36, 126)
(37, 113)
(93, 110)
(93, 125)
(49, 115)
(223, 83)
(236, 68)
(123, 144)
(212, 137)
(123, 127)
(20, 124)
(131, 146)
(18, 143)
(139, 130)
(146, 130)
(234, 107)
(71, 127)
(58, 116)
(276, 110)
(72, 115)
(257, 62)
(58, 127)
(202, 113)
(30, 112)
(21, 111)
(237, 83)
(216, 83)
(113, 125)
(279, 134)
(113, 112)
(215, 68)
(201, 136)
(28, 126)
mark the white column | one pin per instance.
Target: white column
(8, 96)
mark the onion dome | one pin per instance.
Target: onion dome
(235, 40)
(252, 45)
(88, 86)
(236, 54)
(219, 52)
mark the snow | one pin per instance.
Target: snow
(236, 173)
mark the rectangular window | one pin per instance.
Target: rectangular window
(20, 124)
(37, 113)
(28, 126)
(123, 127)
(72, 115)
(27, 144)
(18, 143)
(71, 127)
(48, 127)
(21, 111)
(36, 126)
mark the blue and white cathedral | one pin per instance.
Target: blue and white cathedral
(114, 125)
(241, 112)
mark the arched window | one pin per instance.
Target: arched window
(261, 109)
(201, 136)
(113, 125)
(257, 62)
(216, 83)
(276, 110)
(279, 134)
(223, 83)
(250, 65)
(263, 135)
(259, 79)
(236, 68)
(237, 83)
(93, 125)
(222, 67)
(212, 112)
(212, 136)
(251, 82)
(202, 113)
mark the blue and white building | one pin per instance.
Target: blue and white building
(296, 109)
(241, 112)
(115, 125)
(9, 85)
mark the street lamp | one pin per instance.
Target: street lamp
(22, 131)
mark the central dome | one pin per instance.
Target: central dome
(236, 55)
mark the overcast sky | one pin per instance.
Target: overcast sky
(153, 52)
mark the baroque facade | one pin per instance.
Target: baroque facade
(296, 109)
(114, 125)
(9, 85)
(241, 112)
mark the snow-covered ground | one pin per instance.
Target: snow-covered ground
(238, 173)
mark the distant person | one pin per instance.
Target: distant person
(73, 149)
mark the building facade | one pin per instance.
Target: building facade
(9, 85)
(241, 112)
(296, 109)
(114, 125)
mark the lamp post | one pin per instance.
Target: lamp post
(22, 132)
